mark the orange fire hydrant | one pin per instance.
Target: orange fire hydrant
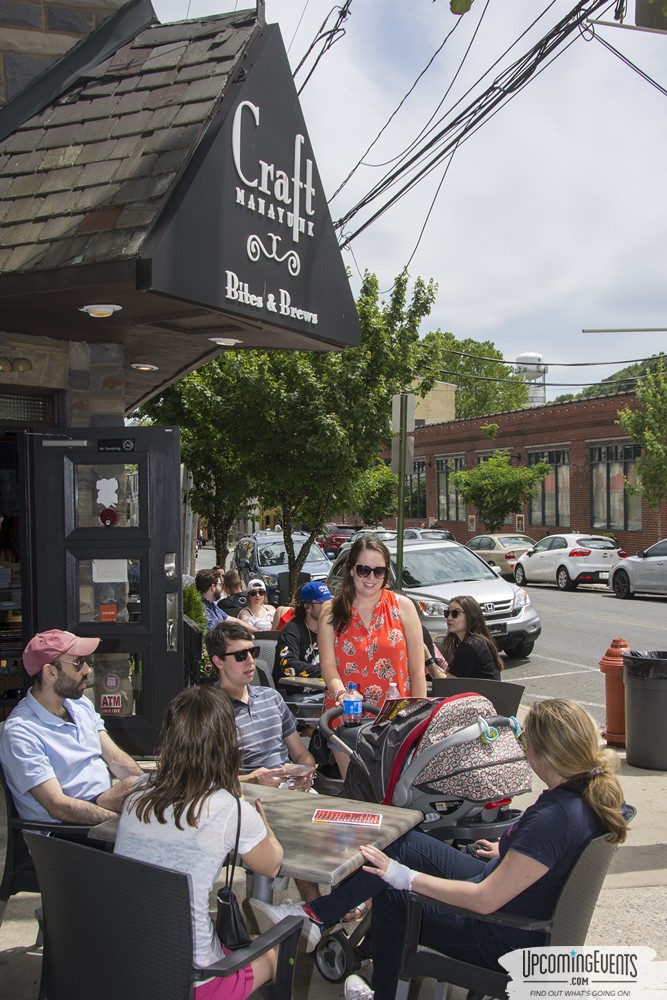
(611, 666)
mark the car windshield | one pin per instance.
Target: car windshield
(510, 541)
(597, 543)
(427, 567)
(442, 535)
(273, 553)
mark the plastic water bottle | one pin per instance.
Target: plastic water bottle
(392, 692)
(352, 702)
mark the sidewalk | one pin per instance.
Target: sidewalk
(630, 910)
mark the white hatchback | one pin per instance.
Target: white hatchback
(568, 560)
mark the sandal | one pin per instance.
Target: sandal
(358, 913)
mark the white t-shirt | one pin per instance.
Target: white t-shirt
(198, 852)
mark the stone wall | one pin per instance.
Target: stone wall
(35, 33)
(90, 375)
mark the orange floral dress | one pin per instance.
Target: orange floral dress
(373, 657)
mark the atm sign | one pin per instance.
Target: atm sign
(110, 704)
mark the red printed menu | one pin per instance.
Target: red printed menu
(351, 818)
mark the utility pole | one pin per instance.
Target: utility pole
(402, 423)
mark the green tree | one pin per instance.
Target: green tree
(295, 430)
(481, 385)
(222, 477)
(625, 380)
(647, 426)
(374, 496)
(497, 488)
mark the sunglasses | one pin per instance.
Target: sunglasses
(453, 614)
(78, 662)
(256, 593)
(379, 572)
(241, 655)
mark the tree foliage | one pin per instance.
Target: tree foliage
(475, 396)
(647, 426)
(625, 380)
(497, 488)
(296, 430)
(375, 495)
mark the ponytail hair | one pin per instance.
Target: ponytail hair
(564, 736)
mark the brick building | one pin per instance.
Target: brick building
(589, 454)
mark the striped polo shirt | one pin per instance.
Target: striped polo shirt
(263, 724)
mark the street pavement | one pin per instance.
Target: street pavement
(631, 908)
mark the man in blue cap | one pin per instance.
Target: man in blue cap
(297, 654)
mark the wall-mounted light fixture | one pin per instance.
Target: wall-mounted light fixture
(225, 341)
(100, 310)
(14, 364)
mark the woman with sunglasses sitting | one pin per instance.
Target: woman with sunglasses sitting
(258, 614)
(468, 647)
(368, 634)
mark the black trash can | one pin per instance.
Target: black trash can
(645, 680)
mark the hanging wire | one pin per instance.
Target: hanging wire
(499, 92)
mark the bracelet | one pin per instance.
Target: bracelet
(430, 662)
(338, 692)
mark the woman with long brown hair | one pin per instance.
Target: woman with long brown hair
(186, 815)
(469, 647)
(368, 634)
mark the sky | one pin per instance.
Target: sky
(552, 217)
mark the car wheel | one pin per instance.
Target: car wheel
(563, 579)
(520, 575)
(520, 652)
(621, 585)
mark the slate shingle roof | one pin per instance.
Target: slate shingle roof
(82, 181)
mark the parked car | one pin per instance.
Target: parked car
(568, 560)
(263, 555)
(429, 534)
(434, 572)
(382, 534)
(335, 536)
(501, 550)
(645, 573)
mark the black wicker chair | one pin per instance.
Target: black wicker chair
(115, 927)
(19, 873)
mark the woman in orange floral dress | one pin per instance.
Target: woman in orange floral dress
(369, 634)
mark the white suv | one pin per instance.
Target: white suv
(568, 560)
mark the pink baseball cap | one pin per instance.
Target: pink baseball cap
(45, 647)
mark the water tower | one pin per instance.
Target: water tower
(530, 367)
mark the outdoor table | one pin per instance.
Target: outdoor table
(325, 853)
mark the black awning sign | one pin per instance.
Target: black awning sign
(249, 230)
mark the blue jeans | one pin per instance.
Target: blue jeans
(459, 937)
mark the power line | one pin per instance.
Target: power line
(551, 385)
(498, 93)
(555, 364)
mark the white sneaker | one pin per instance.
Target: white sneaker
(357, 988)
(269, 914)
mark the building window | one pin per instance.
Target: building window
(415, 491)
(613, 508)
(450, 505)
(551, 506)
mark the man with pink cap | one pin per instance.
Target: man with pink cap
(54, 749)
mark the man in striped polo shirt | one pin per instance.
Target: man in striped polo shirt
(267, 731)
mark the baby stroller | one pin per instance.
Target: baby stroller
(455, 759)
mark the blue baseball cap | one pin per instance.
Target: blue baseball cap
(315, 592)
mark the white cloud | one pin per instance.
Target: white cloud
(552, 217)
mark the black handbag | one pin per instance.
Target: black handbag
(230, 925)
